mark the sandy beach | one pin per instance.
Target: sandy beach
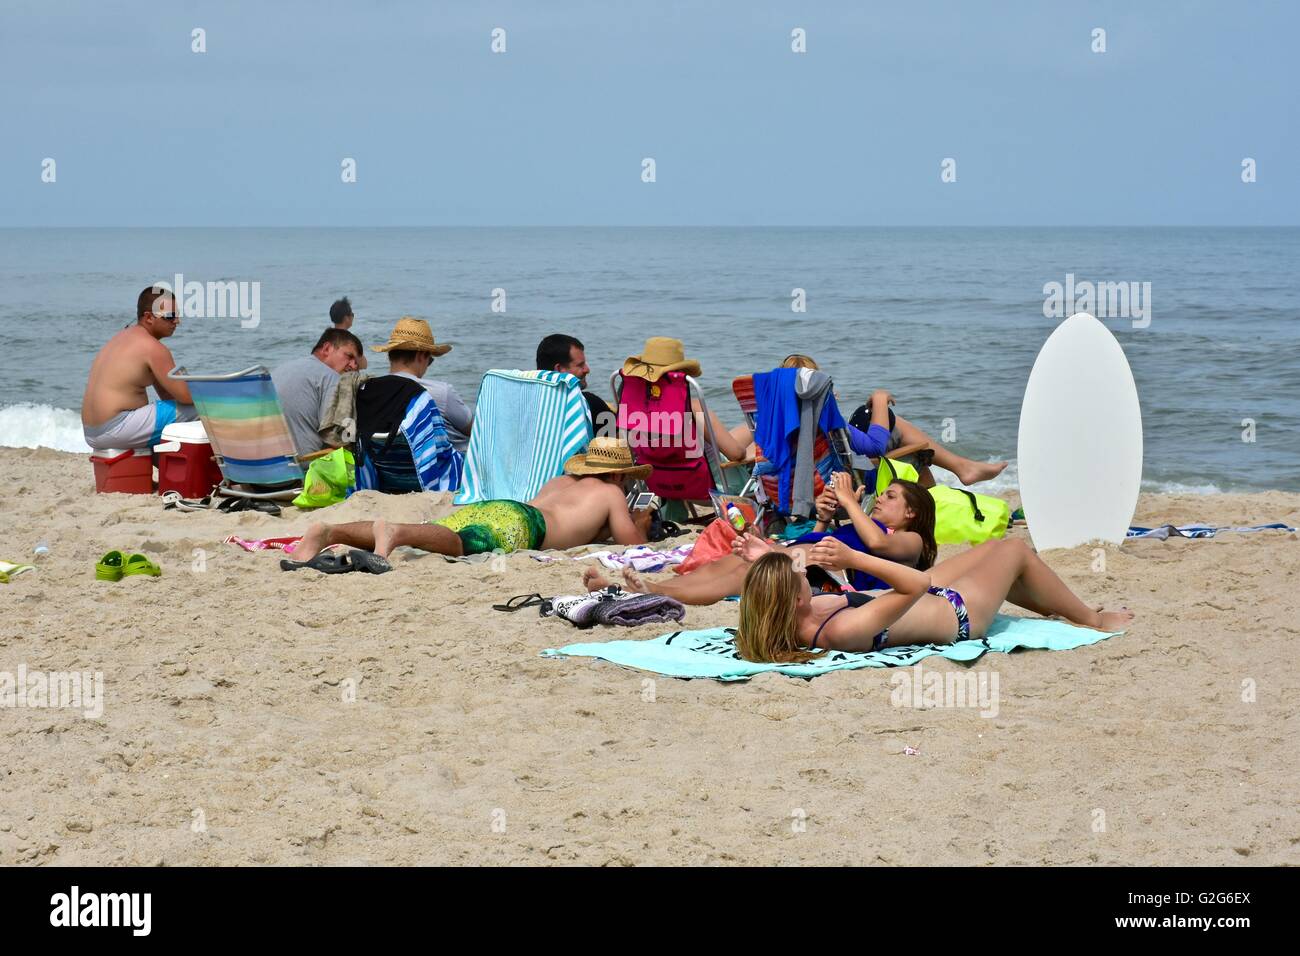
(226, 737)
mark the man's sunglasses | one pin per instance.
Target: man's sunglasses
(169, 316)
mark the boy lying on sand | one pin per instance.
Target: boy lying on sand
(588, 503)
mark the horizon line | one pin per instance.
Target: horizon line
(29, 226)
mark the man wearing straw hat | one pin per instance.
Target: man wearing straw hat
(588, 503)
(411, 350)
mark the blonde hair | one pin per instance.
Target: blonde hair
(769, 628)
(797, 360)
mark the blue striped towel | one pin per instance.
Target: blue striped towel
(1167, 531)
(526, 426)
(438, 465)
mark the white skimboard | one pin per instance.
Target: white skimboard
(1080, 445)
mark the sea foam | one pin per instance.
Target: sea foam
(41, 426)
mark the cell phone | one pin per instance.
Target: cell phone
(642, 501)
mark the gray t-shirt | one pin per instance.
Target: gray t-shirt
(456, 415)
(306, 389)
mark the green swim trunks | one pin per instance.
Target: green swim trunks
(496, 526)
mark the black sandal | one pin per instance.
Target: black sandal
(250, 504)
(327, 562)
(368, 561)
(525, 600)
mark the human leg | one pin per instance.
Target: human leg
(968, 472)
(1011, 571)
(356, 534)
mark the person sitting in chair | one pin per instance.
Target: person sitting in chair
(564, 353)
(305, 385)
(411, 350)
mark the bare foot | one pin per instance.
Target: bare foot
(634, 582)
(1114, 620)
(314, 539)
(594, 580)
(977, 471)
(384, 543)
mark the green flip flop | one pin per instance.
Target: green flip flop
(139, 564)
(109, 567)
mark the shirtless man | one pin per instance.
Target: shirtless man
(115, 410)
(588, 503)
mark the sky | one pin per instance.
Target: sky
(144, 131)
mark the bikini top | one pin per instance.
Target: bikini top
(853, 599)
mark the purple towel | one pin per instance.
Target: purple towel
(612, 606)
(633, 609)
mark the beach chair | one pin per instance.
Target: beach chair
(656, 419)
(526, 426)
(831, 453)
(412, 452)
(250, 438)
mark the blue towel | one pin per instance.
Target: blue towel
(437, 461)
(1196, 530)
(438, 466)
(526, 426)
(712, 653)
(776, 426)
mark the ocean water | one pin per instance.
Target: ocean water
(949, 319)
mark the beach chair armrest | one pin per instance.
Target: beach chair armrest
(303, 459)
(902, 451)
(181, 374)
(743, 463)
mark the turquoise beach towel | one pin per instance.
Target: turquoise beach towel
(526, 426)
(712, 653)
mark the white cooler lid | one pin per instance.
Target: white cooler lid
(187, 433)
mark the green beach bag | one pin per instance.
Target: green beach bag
(959, 516)
(889, 470)
(330, 479)
(963, 516)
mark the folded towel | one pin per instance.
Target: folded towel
(712, 653)
(1166, 531)
(612, 606)
(338, 426)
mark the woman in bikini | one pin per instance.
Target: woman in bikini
(900, 528)
(781, 620)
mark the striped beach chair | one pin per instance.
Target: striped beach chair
(526, 426)
(420, 457)
(250, 437)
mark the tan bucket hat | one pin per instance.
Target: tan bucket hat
(413, 334)
(606, 456)
(660, 355)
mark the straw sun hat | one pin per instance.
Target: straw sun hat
(414, 335)
(660, 356)
(606, 456)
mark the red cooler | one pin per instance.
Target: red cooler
(126, 471)
(185, 462)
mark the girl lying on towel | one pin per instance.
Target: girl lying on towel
(782, 621)
(900, 528)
